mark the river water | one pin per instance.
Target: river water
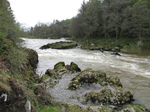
(133, 70)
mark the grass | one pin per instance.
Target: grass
(50, 109)
(4, 82)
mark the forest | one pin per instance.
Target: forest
(119, 21)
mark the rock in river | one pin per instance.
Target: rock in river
(60, 45)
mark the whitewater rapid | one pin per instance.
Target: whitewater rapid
(88, 59)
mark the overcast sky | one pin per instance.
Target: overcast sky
(30, 12)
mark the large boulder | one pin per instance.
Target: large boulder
(108, 95)
(60, 45)
(32, 58)
(73, 67)
(59, 66)
(52, 76)
(89, 76)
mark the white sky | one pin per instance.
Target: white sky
(30, 12)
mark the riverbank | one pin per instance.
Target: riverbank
(20, 88)
(126, 45)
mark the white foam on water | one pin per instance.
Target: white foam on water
(49, 57)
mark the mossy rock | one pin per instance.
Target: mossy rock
(98, 97)
(113, 81)
(51, 73)
(89, 76)
(105, 109)
(62, 68)
(50, 78)
(113, 96)
(75, 108)
(45, 77)
(60, 45)
(73, 85)
(59, 66)
(135, 108)
(32, 58)
(75, 67)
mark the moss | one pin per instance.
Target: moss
(104, 109)
(99, 97)
(73, 85)
(44, 77)
(140, 108)
(76, 108)
(60, 45)
(111, 96)
(50, 72)
(50, 109)
(59, 65)
(89, 76)
(75, 67)
(4, 84)
(135, 108)
(113, 81)
(32, 58)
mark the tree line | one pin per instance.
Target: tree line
(57, 29)
(102, 19)
(9, 28)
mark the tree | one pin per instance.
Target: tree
(139, 20)
(7, 22)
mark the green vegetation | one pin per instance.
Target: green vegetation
(50, 109)
(129, 45)
(60, 45)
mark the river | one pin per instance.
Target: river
(133, 70)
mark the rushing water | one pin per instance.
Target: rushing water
(133, 70)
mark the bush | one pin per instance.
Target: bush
(16, 59)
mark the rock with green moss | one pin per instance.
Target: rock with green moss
(111, 96)
(134, 108)
(59, 65)
(50, 80)
(52, 76)
(113, 81)
(74, 85)
(74, 67)
(104, 109)
(52, 73)
(75, 108)
(60, 45)
(32, 57)
(89, 76)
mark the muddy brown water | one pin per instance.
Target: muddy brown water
(133, 70)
